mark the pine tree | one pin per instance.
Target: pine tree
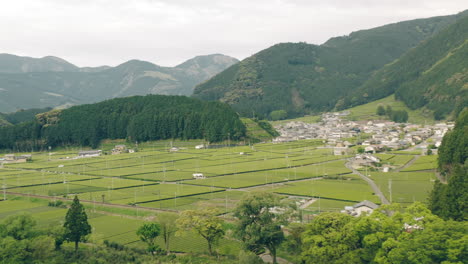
(76, 223)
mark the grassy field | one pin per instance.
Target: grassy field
(352, 190)
(368, 111)
(155, 177)
(406, 187)
(423, 163)
(152, 179)
(107, 227)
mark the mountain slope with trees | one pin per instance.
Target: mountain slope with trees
(433, 75)
(301, 78)
(51, 82)
(137, 118)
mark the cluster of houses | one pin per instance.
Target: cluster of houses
(374, 136)
(118, 149)
(12, 158)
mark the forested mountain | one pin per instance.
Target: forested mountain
(450, 201)
(21, 115)
(137, 118)
(303, 78)
(16, 64)
(37, 83)
(433, 75)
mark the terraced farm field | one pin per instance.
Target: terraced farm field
(154, 178)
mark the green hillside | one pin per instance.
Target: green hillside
(37, 83)
(368, 111)
(433, 75)
(302, 78)
(137, 118)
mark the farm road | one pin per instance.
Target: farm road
(372, 184)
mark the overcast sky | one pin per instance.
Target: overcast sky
(168, 32)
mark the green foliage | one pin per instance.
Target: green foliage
(205, 223)
(76, 223)
(388, 235)
(278, 115)
(328, 240)
(450, 201)
(168, 224)
(432, 75)
(24, 115)
(259, 226)
(301, 78)
(380, 110)
(148, 233)
(399, 116)
(454, 147)
(138, 118)
(18, 227)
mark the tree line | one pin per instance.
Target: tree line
(450, 200)
(137, 118)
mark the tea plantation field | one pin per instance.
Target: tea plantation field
(155, 178)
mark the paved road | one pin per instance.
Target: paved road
(372, 184)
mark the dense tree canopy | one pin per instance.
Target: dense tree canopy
(137, 118)
(412, 235)
(260, 218)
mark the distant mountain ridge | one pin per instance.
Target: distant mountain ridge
(36, 83)
(302, 78)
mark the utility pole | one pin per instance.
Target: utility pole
(390, 189)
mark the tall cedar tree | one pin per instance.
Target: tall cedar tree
(76, 223)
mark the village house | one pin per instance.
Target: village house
(358, 209)
(12, 158)
(119, 149)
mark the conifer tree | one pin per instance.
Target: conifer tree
(76, 223)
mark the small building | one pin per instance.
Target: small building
(9, 157)
(365, 206)
(12, 158)
(198, 176)
(89, 153)
(173, 149)
(200, 146)
(119, 149)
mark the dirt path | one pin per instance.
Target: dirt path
(372, 184)
(409, 163)
(308, 203)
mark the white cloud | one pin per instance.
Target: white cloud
(95, 32)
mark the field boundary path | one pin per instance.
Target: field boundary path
(409, 163)
(372, 184)
(92, 202)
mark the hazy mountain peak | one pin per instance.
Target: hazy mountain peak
(205, 60)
